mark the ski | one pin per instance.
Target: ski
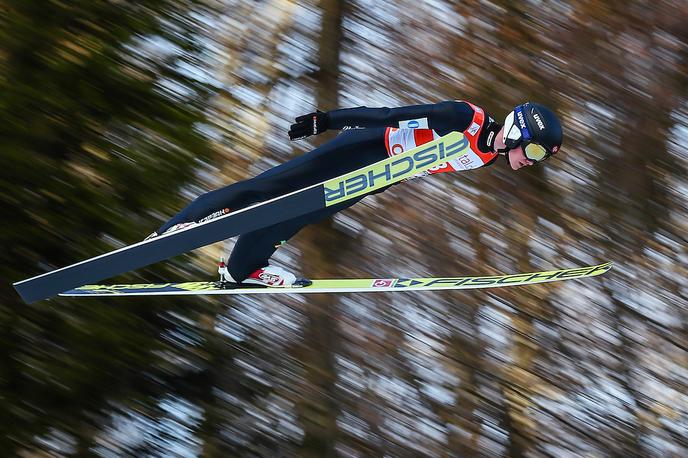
(359, 285)
(273, 211)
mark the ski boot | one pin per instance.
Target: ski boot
(268, 276)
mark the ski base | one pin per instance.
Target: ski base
(341, 285)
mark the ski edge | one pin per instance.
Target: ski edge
(391, 285)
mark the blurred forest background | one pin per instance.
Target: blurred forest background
(114, 114)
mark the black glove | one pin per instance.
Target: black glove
(310, 124)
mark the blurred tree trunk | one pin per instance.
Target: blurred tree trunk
(252, 47)
(322, 249)
(469, 349)
(251, 38)
(518, 376)
(466, 345)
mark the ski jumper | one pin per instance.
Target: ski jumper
(370, 135)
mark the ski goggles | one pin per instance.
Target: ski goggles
(516, 133)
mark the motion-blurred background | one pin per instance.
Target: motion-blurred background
(114, 114)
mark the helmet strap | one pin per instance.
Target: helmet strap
(505, 152)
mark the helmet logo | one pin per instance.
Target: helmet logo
(555, 149)
(521, 121)
(539, 122)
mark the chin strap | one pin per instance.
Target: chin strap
(505, 152)
(488, 135)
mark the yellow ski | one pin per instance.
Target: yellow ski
(352, 285)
